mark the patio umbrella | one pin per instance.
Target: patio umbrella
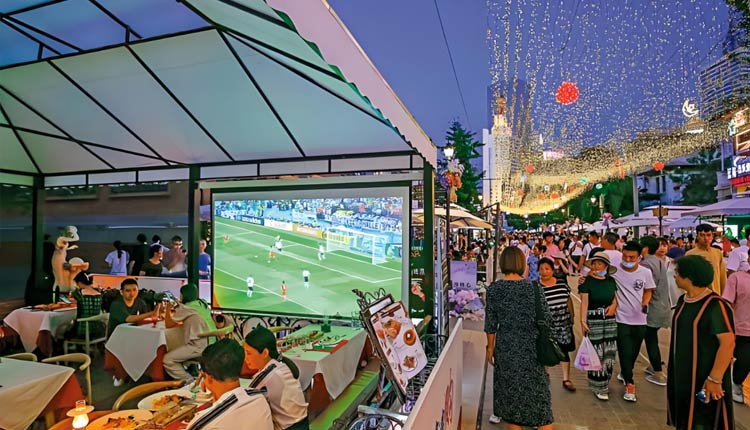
(737, 206)
(460, 217)
(690, 222)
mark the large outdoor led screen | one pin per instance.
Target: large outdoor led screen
(302, 252)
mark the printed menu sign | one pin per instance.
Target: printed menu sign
(399, 342)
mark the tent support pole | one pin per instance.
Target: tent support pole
(194, 228)
(428, 248)
(37, 231)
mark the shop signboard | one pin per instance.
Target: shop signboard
(742, 143)
(464, 275)
(740, 168)
(420, 275)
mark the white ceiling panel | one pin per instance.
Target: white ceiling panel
(13, 156)
(322, 124)
(57, 155)
(123, 160)
(244, 125)
(50, 93)
(118, 81)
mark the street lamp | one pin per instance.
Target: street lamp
(448, 150)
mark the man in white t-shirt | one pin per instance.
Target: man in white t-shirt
(737, 260)
(575, 250)
(593, 243)
(306, 278)
(635, 285)
(523, 245)
(609, 243)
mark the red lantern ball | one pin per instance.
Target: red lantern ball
(658, 166)
(567, 93)
(555, 195)
(530, 168)
(520, 193)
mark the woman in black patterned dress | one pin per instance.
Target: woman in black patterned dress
(521, 395)
(88, 304)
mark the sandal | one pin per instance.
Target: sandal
(568, 386)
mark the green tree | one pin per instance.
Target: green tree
(699, 186)
(466, 149)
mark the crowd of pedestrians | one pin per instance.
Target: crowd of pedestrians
(629, 291)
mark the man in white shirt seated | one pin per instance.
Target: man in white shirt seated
(234, 407)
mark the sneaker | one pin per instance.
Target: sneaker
(494, 419)
(602, 396)
(117, 382)
(629, 393)
(657, 379)
(649, 370)
(620, 378)
(737, 394)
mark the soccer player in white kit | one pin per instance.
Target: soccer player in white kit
(321, 252)
(306, 278)
(278, 243)
(250, 282)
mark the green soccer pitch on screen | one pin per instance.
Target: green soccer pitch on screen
(302, 252)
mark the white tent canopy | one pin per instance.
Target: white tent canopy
(736, 206)
(128, 85)
(689, 222)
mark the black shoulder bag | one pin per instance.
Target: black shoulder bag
(548, 353)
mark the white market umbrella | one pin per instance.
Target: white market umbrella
(736, 206)
(690, 222)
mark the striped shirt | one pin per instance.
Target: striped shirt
(557, 300)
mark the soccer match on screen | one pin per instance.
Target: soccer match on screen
(305, 256)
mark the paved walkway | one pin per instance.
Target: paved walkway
(583, 411)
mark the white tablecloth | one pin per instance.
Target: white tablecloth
(338, 368)
(136, 346)
(26, 387)
(28, 323)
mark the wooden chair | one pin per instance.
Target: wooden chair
(26, 356)
(85, 366)
(102, 318)
(144, 390)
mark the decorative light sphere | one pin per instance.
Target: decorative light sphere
(599, 186)
(584, 180)
(530, 168)
(658, 166)
(567, 93)
(555, 195)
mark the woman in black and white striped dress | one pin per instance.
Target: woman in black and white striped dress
(557, 293)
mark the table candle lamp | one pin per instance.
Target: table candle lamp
(80, 414)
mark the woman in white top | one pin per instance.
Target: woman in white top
(117, 260)
(279, 376)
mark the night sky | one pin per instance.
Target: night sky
(634, 61)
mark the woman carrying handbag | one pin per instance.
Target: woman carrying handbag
(517, 318)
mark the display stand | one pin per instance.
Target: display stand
(396, 393)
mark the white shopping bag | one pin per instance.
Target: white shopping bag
(587, 359)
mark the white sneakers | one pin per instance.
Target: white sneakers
(117, 382)
(602, 396)
(494, 419)
(737, 394)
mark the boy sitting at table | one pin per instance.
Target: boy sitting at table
(234, 408)
(128, 308)
(278, 375)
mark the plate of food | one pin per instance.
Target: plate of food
(121, 420)
(164, 399)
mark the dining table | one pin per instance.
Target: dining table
(31, 389)
(39, 328)
(133, 350)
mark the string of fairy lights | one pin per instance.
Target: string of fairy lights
(599, 84)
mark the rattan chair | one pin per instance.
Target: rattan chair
(26, 356)
(102, 318)
(145, 390)
(85, 366)
(217, 334)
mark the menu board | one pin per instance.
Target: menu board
(399, 343)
